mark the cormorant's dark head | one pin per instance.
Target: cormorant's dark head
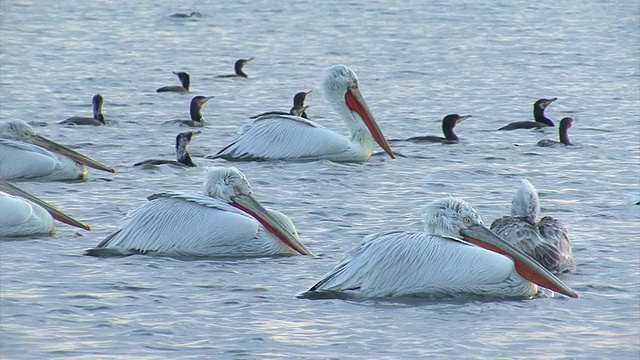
(566, 122)
(239, 65)
(200, 100)
(299, 98)
(543, 103)
(97, 101)
(451, 120)
(184, 139)
(184, 79)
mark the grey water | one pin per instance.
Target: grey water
(416, 61)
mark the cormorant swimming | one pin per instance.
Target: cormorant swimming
(195, 110)
(193, 14)
(185, 80)
(298, 108)
(182, 152)
(97, 119)
(538, 114)
(239, 65)
(448, 123)
(565, 124)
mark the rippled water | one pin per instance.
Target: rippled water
(416, 61)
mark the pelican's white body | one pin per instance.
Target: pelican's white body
(183, 224)
(21, 160)
(20, 217)
(415, 263)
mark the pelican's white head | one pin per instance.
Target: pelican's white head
(224, 182)
(16, 130)
(448, 216)
(340, 87)
(525, 202)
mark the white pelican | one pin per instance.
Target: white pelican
(547, 241)
(183, 159)
(285, 137)
(437, 262)
(27, 155)
(22, 214)
(224, 222)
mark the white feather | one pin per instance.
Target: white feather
(20, 217)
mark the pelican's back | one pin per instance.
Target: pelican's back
(414, 263)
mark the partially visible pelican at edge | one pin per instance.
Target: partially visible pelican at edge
(27, 155)
(225, 221)
(23, 214)
(540, 119)
(298, 108)
(98, 116)
(238, 68)
(183, 140)
(455, 255)
(183, 88)
(448, 123)
(563, 132)
(546, 240)
(285, 137)
(195, 112)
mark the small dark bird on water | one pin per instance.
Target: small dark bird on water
(238, 67)
(185, 80)
(563, 131)
(538, 114)
(96, 120)
(298, 108)
(183, 140)
(448, 123)
(195, 110)
(193, 14)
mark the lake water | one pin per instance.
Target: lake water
(416, 61)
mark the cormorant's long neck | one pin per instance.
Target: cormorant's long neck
(564, 135)
(97, 113)
(538, 115)
(186, 82)
(182, 154)
(196, 112)
(447, 129)
(238, 70)
(186, 159)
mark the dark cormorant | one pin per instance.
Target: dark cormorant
(298, 108)
(182, 152)
(97, 119)
(195, 110)
(538, 114)
(239, 65)
(565, 124)
(185, 80)
(448, 123)
(193, 14)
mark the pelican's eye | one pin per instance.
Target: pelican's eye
(467, 221)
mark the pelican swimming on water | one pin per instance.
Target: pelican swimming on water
(183, 140)
(195, 111)
(448, 123)
(226, 221)
(238, 68)
(546, 240)
(96, 120)
(298, 108)
(455, 255)
(22, 214)
(183, 88)
(563, 132)
(540, 119)
(27, 155)
(285, 137)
